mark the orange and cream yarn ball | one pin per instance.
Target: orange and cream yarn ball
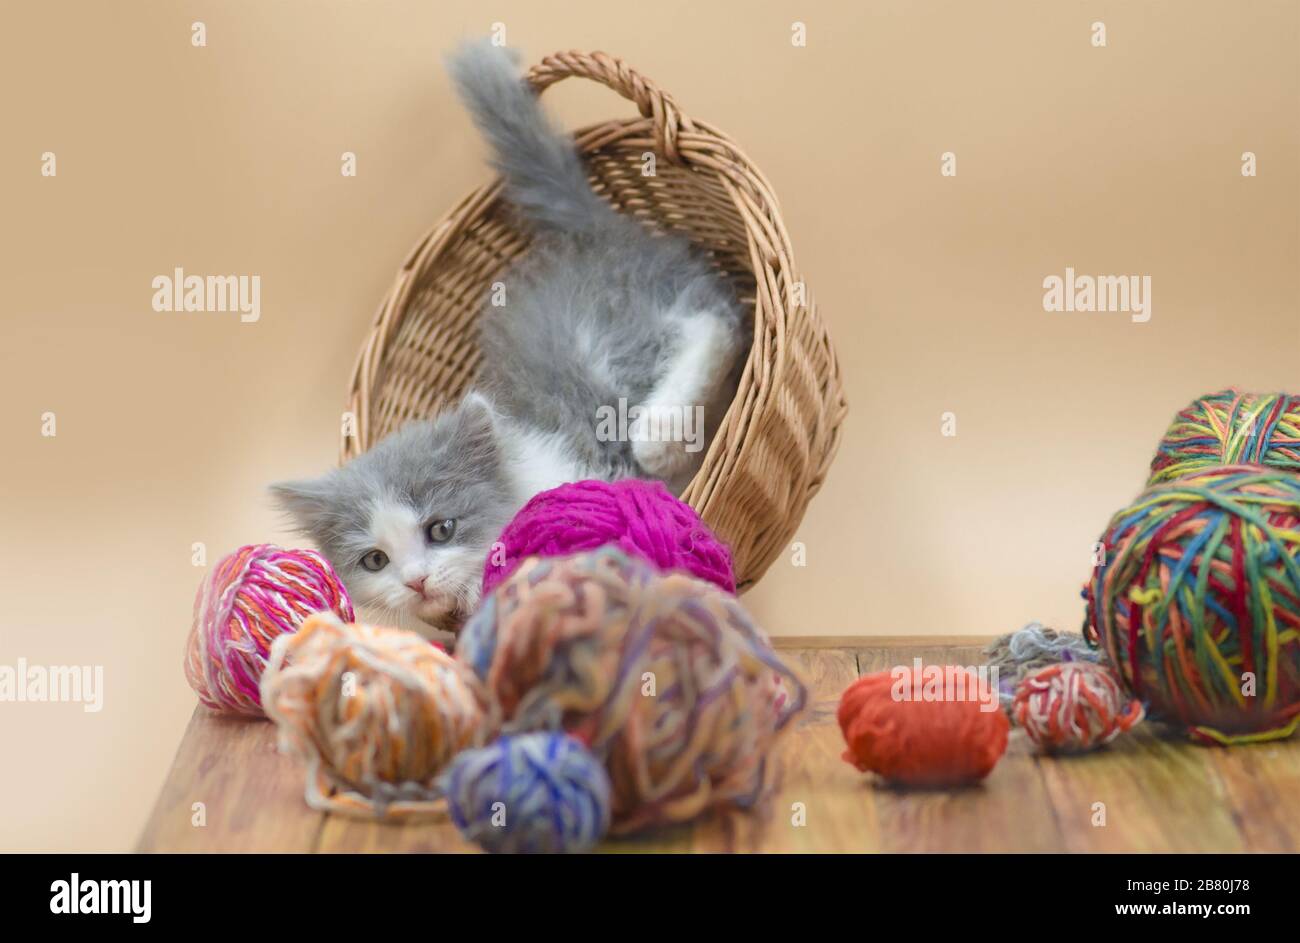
(376, 713)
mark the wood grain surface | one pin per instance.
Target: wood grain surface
(1149, 791)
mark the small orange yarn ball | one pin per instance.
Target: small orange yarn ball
(912, 730)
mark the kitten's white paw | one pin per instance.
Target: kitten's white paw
(666, 460)
(658, 449)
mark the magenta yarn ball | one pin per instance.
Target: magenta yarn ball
(641, 518)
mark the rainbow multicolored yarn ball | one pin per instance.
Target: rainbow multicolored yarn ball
(1198, 602)
(663, 677)
(247, 600)
(376, 713)
(530, 793)
(1231, 428)
(1074, 706)
(641, 518)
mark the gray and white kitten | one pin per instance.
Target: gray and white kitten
(599, 310)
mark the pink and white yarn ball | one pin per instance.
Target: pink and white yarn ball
(1073, 707)
(249, 599)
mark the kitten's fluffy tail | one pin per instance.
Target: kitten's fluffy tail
(543, 174)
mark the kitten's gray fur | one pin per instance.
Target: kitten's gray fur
(598, 310)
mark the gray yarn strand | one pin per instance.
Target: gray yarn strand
(1018, 654)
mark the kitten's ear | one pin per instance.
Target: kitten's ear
(476, 427)
(306, 501)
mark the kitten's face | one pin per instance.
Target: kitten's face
(408, 525)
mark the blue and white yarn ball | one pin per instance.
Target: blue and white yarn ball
(531, 793)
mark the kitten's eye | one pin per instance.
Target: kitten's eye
(441, 531)
(375, 560)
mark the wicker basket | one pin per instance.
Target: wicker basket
(770, 454)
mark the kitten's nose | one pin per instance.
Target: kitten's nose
(418, 586)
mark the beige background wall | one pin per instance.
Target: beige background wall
(1122, 160)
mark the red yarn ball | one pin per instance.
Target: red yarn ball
(919, 741)
(641, 518)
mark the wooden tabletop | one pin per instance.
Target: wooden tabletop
(1158, 792)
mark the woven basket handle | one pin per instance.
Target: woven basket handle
(650, 100)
